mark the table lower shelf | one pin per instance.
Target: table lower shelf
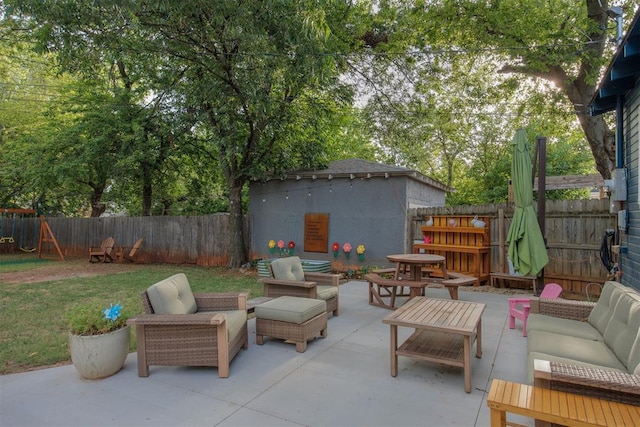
(440, 347)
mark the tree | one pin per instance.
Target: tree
(238, 74)
(561, 42)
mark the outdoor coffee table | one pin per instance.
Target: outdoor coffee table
(444, 332)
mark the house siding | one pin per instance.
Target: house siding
(630, 261)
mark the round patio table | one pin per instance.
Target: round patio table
(415, 262)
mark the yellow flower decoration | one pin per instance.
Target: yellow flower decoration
(272, 244)
(360, 249)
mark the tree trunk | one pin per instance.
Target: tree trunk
(147, 189)
(237, 248)
(97, 207)
(602, 142)
(601, 139)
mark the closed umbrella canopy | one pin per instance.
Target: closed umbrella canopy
(527, 249)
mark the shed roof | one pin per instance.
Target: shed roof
(623, 71)
(358, 168)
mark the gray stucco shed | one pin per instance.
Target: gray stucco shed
(366, 203)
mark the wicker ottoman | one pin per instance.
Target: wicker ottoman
(293, 319)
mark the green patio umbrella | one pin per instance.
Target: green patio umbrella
(527, 249)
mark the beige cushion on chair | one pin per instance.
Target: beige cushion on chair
(325, 292)
(236, 320)
(289, 268)
(172, 296)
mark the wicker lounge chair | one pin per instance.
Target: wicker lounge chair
(185, 329)
(289, 279)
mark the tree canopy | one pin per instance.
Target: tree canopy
(159, 107)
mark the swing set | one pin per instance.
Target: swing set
(26, 242)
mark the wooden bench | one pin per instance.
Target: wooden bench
(453, 284)
(552, 406)
(498, 279)
(380, 288)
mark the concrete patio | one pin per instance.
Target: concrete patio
(342, 380)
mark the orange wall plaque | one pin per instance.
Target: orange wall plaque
(316, 232)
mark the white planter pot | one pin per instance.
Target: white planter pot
(100, 356)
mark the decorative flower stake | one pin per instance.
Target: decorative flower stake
(272, 246)
(292, 247)
(360, 250)
(335, 247)
(281, 247)
(346, 248)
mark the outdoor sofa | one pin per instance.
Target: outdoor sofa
(587, 348)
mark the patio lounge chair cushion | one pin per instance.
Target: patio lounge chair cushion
(236, 320)
(288, 269)
(325, 292)
(172, 296)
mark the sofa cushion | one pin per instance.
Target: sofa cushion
(630, 338)
(553, 358)
(622, 330)
(574, 328)
(326, 292)
(572, 348)
(603, 310)
(172, 296)
(289, 268)
(634, 356)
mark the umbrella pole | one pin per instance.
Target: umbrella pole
(541, 146)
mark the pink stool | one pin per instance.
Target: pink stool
(519, 307)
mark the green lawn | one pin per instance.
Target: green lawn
(33, 330)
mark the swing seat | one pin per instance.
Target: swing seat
(103, 253)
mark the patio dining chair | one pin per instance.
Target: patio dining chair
(519, 307)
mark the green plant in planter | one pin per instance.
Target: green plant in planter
(93, 319)
(99, 339)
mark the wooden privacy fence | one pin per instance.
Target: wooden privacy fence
(575, 230)
(201, 240)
